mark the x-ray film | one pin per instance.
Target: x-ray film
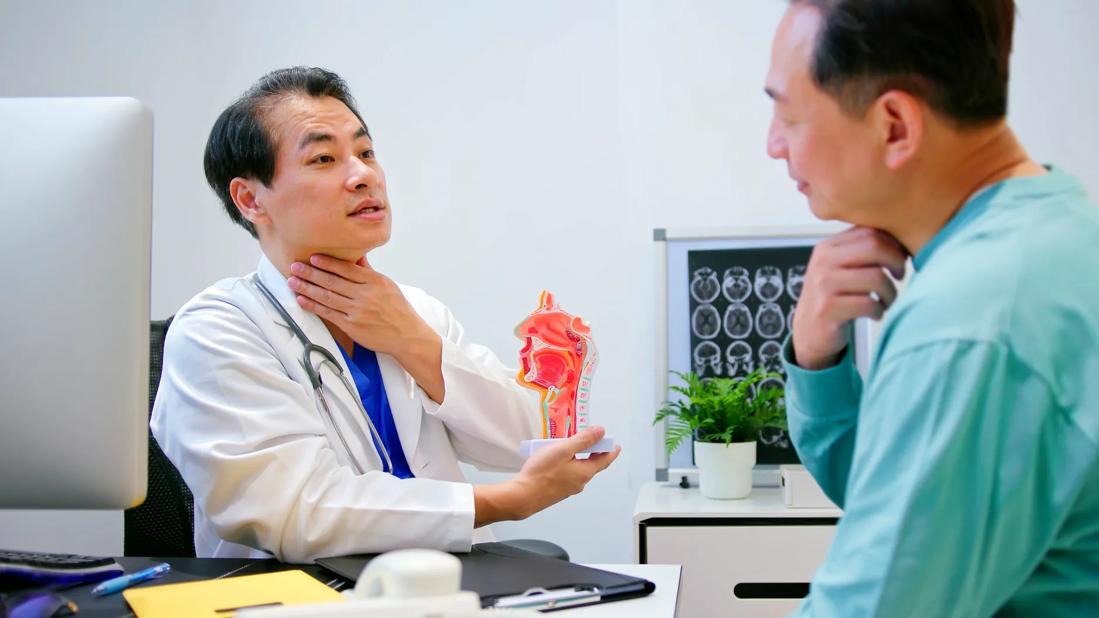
(742, 327)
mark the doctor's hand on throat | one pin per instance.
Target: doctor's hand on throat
(369, 308)
(845, 279)
(548, 477)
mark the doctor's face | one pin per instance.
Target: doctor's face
(830, 154)
(328, 191)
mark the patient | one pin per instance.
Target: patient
(349, 443)
(967, 461)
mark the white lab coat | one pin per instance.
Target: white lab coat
(236, 414)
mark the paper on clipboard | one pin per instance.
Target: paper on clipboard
(221, 598)
(542, 599)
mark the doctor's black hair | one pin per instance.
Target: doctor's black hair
(952, 54)
(240, 143)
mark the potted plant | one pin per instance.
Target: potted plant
(725, 416)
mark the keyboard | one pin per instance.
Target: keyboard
(41, 568)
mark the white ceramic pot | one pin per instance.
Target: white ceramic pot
(725, 470)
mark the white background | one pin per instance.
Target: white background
(504, 127)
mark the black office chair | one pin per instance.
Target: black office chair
(164, 524)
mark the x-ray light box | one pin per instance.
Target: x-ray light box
(725, 303)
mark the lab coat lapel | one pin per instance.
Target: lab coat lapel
(313, 328)
(404, 401)
(403, 395)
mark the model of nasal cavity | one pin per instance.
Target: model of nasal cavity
(558, 359)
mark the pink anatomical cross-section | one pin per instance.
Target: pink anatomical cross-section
(558, 359)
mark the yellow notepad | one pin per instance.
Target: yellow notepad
(220, 598)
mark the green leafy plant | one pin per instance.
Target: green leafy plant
(721, 410)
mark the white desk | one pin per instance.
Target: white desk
(660, 604)
(734, 553)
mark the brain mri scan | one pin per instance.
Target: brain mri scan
(771, 383)
(741, 306)
(738, 321)
(707, 356)
(775, 437)
(770, 322)
(770, 357)
(795, 278)
(768, 283)
(736, 285)
(738, 359)
(704, 285)
(705, 322)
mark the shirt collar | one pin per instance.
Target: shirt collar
(1055, 180)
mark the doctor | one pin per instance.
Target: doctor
(316, 407)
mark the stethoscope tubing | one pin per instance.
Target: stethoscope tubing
(315, 380)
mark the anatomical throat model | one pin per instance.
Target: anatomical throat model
(558, 359)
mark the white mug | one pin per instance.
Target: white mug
(410, 573)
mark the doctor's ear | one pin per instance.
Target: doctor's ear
(244, 197)
(900, 118)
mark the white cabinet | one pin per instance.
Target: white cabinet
(750, 557)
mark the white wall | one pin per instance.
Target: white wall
(502, 125)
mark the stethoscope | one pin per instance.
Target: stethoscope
(314, 373)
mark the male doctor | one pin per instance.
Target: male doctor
(363, 462)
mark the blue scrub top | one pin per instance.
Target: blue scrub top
(368, 380)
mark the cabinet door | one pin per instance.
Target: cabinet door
(716, 559)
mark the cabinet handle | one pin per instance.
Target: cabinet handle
(771, 590)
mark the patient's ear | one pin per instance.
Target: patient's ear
(900, 117)
(244, 197)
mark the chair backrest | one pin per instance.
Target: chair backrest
(164, 524)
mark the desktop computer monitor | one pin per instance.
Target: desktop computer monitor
(75, 213)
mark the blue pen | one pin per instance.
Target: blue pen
(123, 582)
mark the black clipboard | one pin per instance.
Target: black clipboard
(508, 577)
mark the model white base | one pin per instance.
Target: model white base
(530, 447)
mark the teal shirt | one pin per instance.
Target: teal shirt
(967, 464)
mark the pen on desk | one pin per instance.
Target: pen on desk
(123, 582)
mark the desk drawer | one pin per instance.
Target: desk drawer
(716, 559)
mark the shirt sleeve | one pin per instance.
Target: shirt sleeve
(822, 409)
(953, 494)
(485, 410)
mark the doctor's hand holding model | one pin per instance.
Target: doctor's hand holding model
(315, 407)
